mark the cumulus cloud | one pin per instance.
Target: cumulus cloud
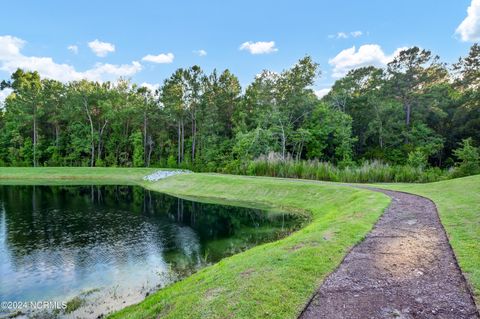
(160, 58)
(151, 86)
(73, 48)
(366, 55)
(345, 35)
(3, 95)
(112, 70)
(11, 59)
(101, 49)
(200, 52)
(10, 46)
(322, 92)
(261, 47)
(469, 29)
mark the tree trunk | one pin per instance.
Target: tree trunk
(92, 132)
(117, 154)
(300, 148)
(144, 134)
(380, 138)
(194, 138)
(284, 142)
(183, 141)
(57, 134)
(99, 144)
(408, 110)
(150, 149)
(179, 159)
(35, 135)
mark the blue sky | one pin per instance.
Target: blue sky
(147, 40)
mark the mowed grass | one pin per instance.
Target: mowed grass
(72, 175)
(273, 280)
(276, 280)
(458, 203)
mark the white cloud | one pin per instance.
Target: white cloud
(112, 70)
(469, 29)
(73, 48)
(161, 58)
(3, 95)
(11, 58)
(367, 55)
(10, 46)
(356, 34)
(101, 49)
(150, 86)
(322, 92)
(345, 35)
(261, 47)
(200, 52)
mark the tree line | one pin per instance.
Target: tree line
(416, 111)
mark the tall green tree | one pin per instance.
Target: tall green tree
(26, 103)
(410, 73)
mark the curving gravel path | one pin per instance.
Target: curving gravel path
(405, 268)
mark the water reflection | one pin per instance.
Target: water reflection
(57, 241)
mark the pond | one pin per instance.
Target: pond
(105, 247)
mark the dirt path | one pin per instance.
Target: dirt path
(405, 268)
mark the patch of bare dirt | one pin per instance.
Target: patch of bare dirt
(328, 235)
(213, 293)
(405, 268)
(247, 272)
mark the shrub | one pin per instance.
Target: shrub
(417, 158)
(469, 159)
(138, 152)
(171, 162)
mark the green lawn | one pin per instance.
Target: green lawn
(72, 175)
(276, 280)
(273, 280)
(458, 203)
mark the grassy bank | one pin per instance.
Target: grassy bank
(273, 280)
(72, 175)
(458, 203)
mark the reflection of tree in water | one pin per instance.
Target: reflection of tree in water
(66, 238)
(85, 225)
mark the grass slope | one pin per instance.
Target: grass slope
(273, 280)
(458, 203)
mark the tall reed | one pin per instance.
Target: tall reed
(368, 172)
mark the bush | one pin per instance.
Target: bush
(469, 159)
(138, 152)
(417, 158)
(171, 162)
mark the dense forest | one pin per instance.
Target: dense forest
(413, 120)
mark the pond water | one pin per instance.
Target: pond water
(109, 246)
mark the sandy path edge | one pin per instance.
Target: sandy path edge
(404, 268)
